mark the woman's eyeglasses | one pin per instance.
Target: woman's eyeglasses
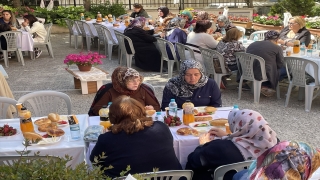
(290, 24)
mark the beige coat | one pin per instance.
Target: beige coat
(39, 29)
(5, 91)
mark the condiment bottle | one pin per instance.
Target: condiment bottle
(104, 116)
(188, 116)
(99, 17)
(81, 16)
(26, 124)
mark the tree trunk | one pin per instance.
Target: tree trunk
(87, 4)
(16, 3)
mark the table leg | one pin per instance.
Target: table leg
(84, 87)
(99, 84)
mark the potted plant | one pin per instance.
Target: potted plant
(267, 22)
(313, 25)
(84, 61)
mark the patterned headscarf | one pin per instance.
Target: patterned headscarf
(202, 15)
(250, 133)
(224, 19)
(288, 160)
(179, 87)
(176, 22)
(164, 10)
(119, 77)
(271, 35)
(188, 13)
(136, 22)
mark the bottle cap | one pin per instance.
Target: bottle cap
(158, 113)
(104, 106)
(109, 103)
(235, 106)
(172, 100)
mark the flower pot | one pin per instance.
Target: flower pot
(84, 67)
(260, 27)
(314, 31)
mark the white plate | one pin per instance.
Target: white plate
(205, 128)
(62, 118)
(46, 141)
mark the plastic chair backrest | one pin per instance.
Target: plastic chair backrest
(162, 43)
(48, 29)
(11, 39)
(260, 35)
(99, 31)
(207, 57)
(107, 35)
(121, 40)
(161, 175)
(181, 51)
(4, 105)
(296, 67)
(10, 160)
(70, 24)
(246, 60)
(45, 102)
(150, 86)
(242, 29)
(221, 170)
(80, 25)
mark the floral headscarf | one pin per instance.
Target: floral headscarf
(176, 22)
(288, 160)
(188, 13)
(119, 77)
(202, 15)
(271, 35)
(179, 87)
(250, 133)
(136, 22)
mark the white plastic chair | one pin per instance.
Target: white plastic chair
(101, 39)
(296, 67)
(161, 175)
(70, 24)
(207, 57)
(47, 41)
(260, 35)
(110, 42)
(222, 170)
(245, 60)
(242, 29)
(181, 48)
(162, 43)
(85, 34)
(4, 106)
(121, 40)
(45, 102)
(10, 160)
(12, 37)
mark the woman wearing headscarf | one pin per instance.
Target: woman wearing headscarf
(288, 160)
(296, 30)
(273, 57)
(250, 137)
(191, 84)
(134, 140)
(174, 34)
(138, 11)
(187, 15)
(203, 15)
(223, 24)
(125, 81)
(147, 56)
(163, 12)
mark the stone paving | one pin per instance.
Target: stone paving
(46, 73)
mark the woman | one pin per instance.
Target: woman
(138, 11)
(273, 57)
(203, 15)
(174, 34)
(296, 30)
(187, 15)
(147, 56)
(9, 18)
(3, 28)
(200, 38)
(224, 25)
(251, 136)
(191, 84)
(135, 140)
(163, 12)
(125, 81)
(36, 29)
(288, 160)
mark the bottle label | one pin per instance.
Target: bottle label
(75, 127)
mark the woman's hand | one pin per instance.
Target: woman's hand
(149, 107)
(204, 138)
(24, 24)
(280, 41)
(217, 132)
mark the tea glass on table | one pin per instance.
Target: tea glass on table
(289, 51)
(296, 46)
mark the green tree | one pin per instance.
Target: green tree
(16, 3)
(298, 7)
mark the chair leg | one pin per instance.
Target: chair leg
(129, 60)
(170, 68)
(110, 51)
(161, 67)
(288, 95)
(20, 56)
(240, 88)
(75, 41)
(119, 54)
(99, 46)
(88, 41)
(5, 57)
(217, 78)
(257, 89)
(49, 48)
(308, 97)
(70, 39)
(278, 91)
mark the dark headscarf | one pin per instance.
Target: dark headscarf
(165, 11)
(119, 77)
(271, 35)
(179, 87)
(136, 22)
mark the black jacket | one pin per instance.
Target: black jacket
(141, 13)
(303, 35)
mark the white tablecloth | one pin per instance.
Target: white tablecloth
(76, 149)
(183, 145)
(27, 42)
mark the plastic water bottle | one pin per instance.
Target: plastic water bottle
(173, 107)
(223, 32)
(255, 38)
(303, 49)
(245, 40)
(81, 16)
(190, 29)
(159, 117)
(74, 127)
(236, 107)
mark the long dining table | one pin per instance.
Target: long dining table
(66, 146)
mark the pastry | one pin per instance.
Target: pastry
(115, 25)
(146, 28)
(55, 132)
(202, 118)
(150, 112)
(184, 131)
(88, 19)
(218, 122)
(45, 127)
(41, 121)
(32, 136)
(210, 109)
(54, 117)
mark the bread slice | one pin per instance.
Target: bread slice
(32, 136)
(202, 118)
(218, 122)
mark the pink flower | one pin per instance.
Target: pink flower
(84, 59)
